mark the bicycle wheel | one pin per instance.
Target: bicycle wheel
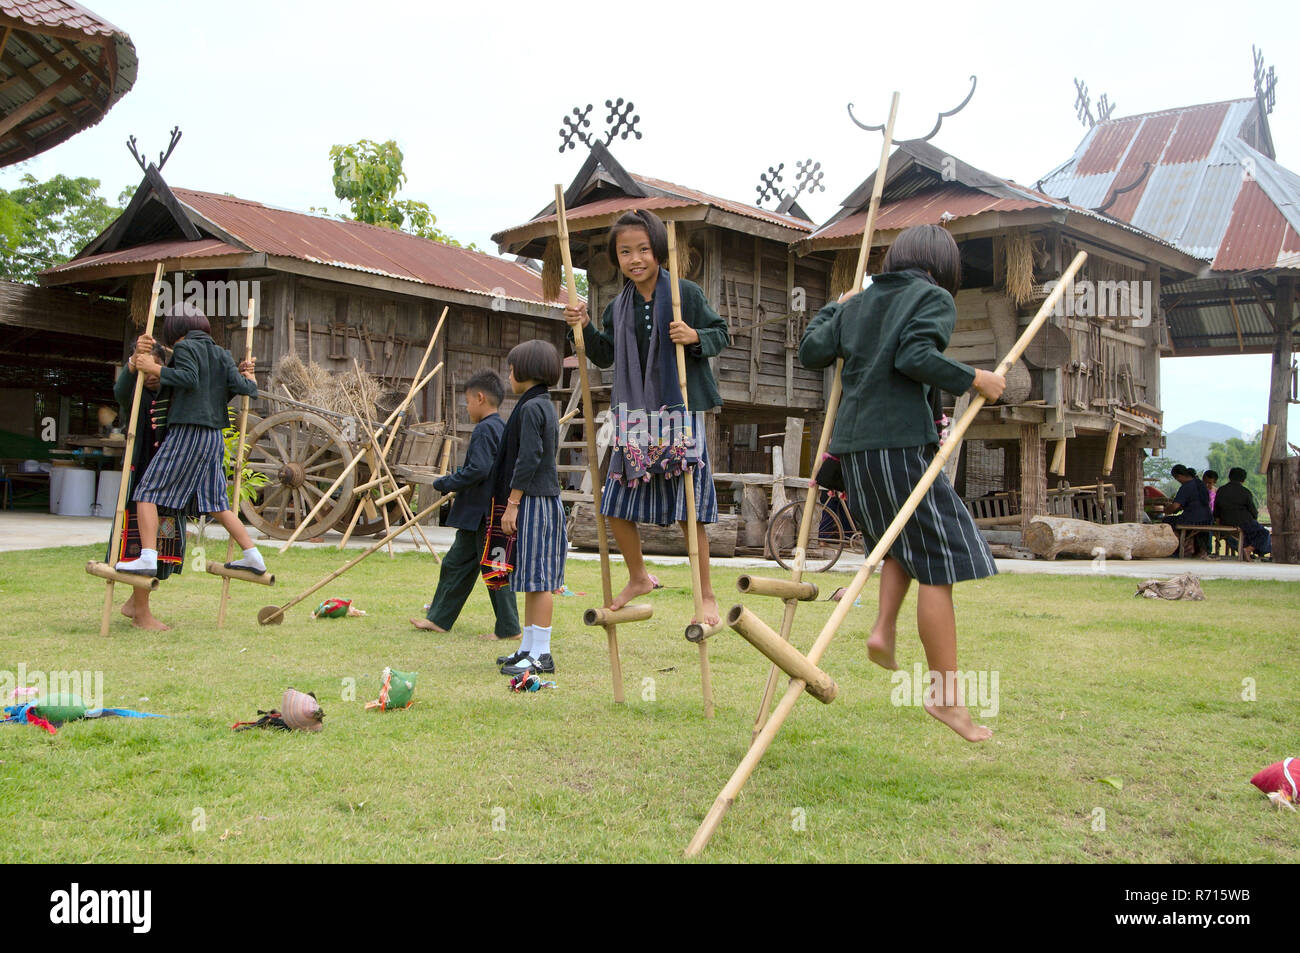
(825, 538)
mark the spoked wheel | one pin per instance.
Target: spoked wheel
(300, 454)
(826, 538)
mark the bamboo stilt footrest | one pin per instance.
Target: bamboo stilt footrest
(105, 571)
(781, 588)
(698, 631)
(782, 654)
(243, 575)
(638, 612)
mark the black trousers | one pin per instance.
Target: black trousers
(456, 580)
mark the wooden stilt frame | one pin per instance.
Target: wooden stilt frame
(832, 408)
(119, 515)
(239, 469)
(593, 461)
(688, 481)
(274, 615)
(765, 737)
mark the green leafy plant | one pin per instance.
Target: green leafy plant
(252, 480)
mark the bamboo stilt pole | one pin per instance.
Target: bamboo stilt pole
(832, 408)
(119, 515)
(697, 632)
(593, 462)
(239, 466)
(244, 575)
(274, 615)
(105, 571)
(1112, 442)
(760, 745)
(636, 612)
(784, 655)
(688, 481)
(781, 588)
(410, 391)
(352, 465)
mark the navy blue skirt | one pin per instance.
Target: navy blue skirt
(189, 465)
(540, 546)
(940, 544)
(662, 500)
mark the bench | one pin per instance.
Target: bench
(1222, 532)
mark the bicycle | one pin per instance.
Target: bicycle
(832, 531)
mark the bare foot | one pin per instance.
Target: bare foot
(880, 648)
(150, 622)
(712, 615)
(128, 608)
(634, 588)
(958, 719)
(493, 637)
(426, 625)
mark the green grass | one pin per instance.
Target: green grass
(1093, 683)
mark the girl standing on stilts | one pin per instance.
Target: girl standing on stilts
(892, 337)
(638, 337)
(526, 498)
(190, 466)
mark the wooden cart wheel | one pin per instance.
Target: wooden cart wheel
(300, 454)
(370, 527)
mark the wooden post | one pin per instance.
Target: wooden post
(251, 321)
(593, 459)
(1112, 443)
(119, 515)
(765, 737)
(832, 407)
(1033, 475)
(1281, 505)
(688, 478)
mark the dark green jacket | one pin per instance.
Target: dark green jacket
(203, 378)
(702, 390)
(892, 337)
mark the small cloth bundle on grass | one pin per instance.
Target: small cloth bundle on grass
(397, 690)
(529, 682)
(336, 609)
(1280, 782)
(1185, 586)
(298, 711)
(50, 711)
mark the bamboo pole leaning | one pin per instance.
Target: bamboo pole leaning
(688, 480)
(593, 461)
(119, 515)
(251, 321)
(832, 409)
(797, 686)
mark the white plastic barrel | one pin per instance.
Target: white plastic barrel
(110, 481)
(77, 494)
(57, 472)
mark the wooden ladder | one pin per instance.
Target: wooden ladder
(572, 438)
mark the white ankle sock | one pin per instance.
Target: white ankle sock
(541, 641)
(148, 559)
(252, 559)
(526, 642)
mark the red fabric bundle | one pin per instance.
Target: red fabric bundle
(1282, 778)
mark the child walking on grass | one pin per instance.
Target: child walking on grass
(653, 443)
(190, 466)
(470, 512)
(526, 496)
(892, 337)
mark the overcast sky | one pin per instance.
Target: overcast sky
(474, 94)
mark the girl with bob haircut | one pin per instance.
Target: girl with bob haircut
(892, 337)
(188, 471)
(526, 504)
(655, 445)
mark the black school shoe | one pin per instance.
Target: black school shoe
(544, 664)
(511, 659)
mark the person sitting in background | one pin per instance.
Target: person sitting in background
(1211, 480)
(1191, 505)
(1234, 505)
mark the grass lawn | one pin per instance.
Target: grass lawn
(1092, 683)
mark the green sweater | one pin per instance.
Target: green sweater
(702, 390)
(203, 378)
(892, 338)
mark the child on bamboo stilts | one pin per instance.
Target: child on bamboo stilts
(892, 337)
(654, 443)
(190, 466)
(526, 501)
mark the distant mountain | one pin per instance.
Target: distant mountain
(1190, 443)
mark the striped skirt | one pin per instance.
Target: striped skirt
(662, 501)
(940, 544)
(189, 465)
(540, 545)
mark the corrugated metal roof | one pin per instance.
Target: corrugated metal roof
(925, 208)
(154, 251)
(1210, 193)
(739, 208)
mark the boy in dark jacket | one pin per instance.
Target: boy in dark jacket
(472, 484)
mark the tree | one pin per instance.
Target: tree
(368, 176)
(43, 224)
(1235, 452)
(1157, 469)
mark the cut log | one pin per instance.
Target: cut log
(1049, 536)
(655, 540)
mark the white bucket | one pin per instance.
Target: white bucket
(77, 494)
(110, 481)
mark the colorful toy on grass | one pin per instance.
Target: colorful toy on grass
(529, 682)
(396, 691)
(53, 710)
(336, 609)
(1280, 782)
(298, 711)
